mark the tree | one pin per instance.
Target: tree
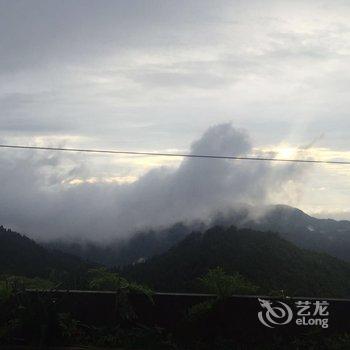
(218, 282)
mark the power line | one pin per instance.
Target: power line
(176, 155)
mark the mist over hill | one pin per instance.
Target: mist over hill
(141, 246)
(264, 259)
(49, 195)
(322, 235)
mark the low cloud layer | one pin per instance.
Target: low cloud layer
(36, 198)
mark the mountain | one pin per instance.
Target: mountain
(21, 256)
(322, 235)
(263, 258)
(139, 247)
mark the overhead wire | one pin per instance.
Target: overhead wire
(183, 155)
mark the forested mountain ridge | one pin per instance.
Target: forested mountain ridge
(263, 258)
(138, 247)
(19, 255)
(321, 235)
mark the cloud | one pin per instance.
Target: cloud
(93, 68)
(47, 31)
(36, 196)
(154, 74)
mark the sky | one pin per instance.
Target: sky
(148, 75)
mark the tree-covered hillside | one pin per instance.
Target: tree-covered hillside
(21, 256)
(263, 258)
(141, 246)
(321, 235)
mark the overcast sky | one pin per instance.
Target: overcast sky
(155, 75)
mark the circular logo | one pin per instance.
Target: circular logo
(274, 315)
